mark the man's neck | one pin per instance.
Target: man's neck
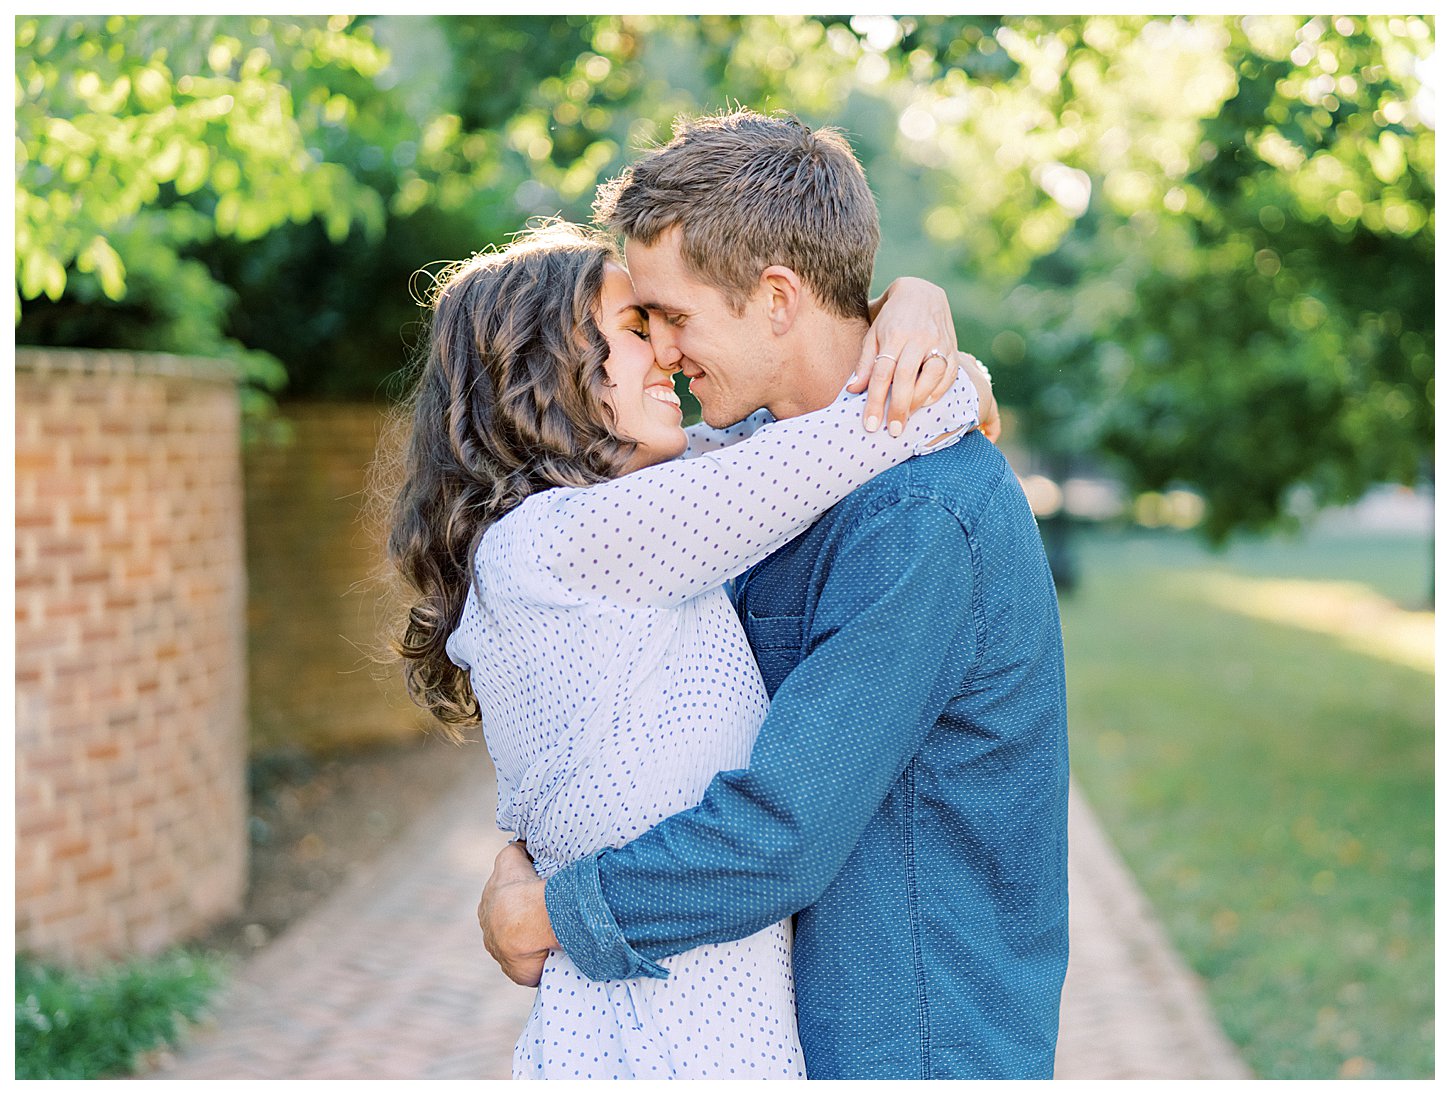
(823, 359)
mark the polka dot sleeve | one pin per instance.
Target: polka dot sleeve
(666, 533)
(702, 438)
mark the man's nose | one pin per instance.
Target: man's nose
(667, 354)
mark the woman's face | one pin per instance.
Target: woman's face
(641, 392)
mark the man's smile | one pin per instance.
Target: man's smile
(694, 376)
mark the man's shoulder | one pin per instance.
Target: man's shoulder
(964, 478)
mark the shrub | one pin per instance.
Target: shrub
(78, 1026)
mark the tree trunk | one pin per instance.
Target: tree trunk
(1058, 533)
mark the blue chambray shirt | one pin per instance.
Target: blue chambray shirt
(907, 793)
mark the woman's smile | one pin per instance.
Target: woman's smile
(664, 393)
(639, 383)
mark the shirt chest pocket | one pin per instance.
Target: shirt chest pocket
(776, 642)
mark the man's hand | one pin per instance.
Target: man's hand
(513, 917)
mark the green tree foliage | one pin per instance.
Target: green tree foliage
(1198, 247)
(475, 125)
(1201, 246)
(1308, 316)
(140, 139)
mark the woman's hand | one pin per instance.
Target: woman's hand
(905, 353)
(910, 353)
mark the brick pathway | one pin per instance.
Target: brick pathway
(1131, 1008)
(388, 979)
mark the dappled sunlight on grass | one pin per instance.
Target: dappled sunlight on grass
(1363, 620)
(1269, 782)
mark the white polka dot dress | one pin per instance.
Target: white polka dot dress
(614, 682)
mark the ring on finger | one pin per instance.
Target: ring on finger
(934, 353)
(888, 357)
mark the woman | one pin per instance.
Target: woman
(569, 577)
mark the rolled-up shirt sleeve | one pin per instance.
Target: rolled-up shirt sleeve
(891, 640)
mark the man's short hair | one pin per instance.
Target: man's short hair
(750, 191)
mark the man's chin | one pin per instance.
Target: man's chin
(722, 419)
(719, 416)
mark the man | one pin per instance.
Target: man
(907, 793)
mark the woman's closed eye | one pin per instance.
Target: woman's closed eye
(638, 324)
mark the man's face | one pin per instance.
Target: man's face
(727, 358)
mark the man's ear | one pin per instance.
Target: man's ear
(782, 294)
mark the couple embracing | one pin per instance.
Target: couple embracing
(776, 702)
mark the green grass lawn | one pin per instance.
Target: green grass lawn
(1270, 782)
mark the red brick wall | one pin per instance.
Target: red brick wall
(313, 598)
(130, 652)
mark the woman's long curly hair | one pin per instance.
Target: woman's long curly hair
(509, 401)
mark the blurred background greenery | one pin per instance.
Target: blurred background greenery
(1198, 246)
(1197, 253)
